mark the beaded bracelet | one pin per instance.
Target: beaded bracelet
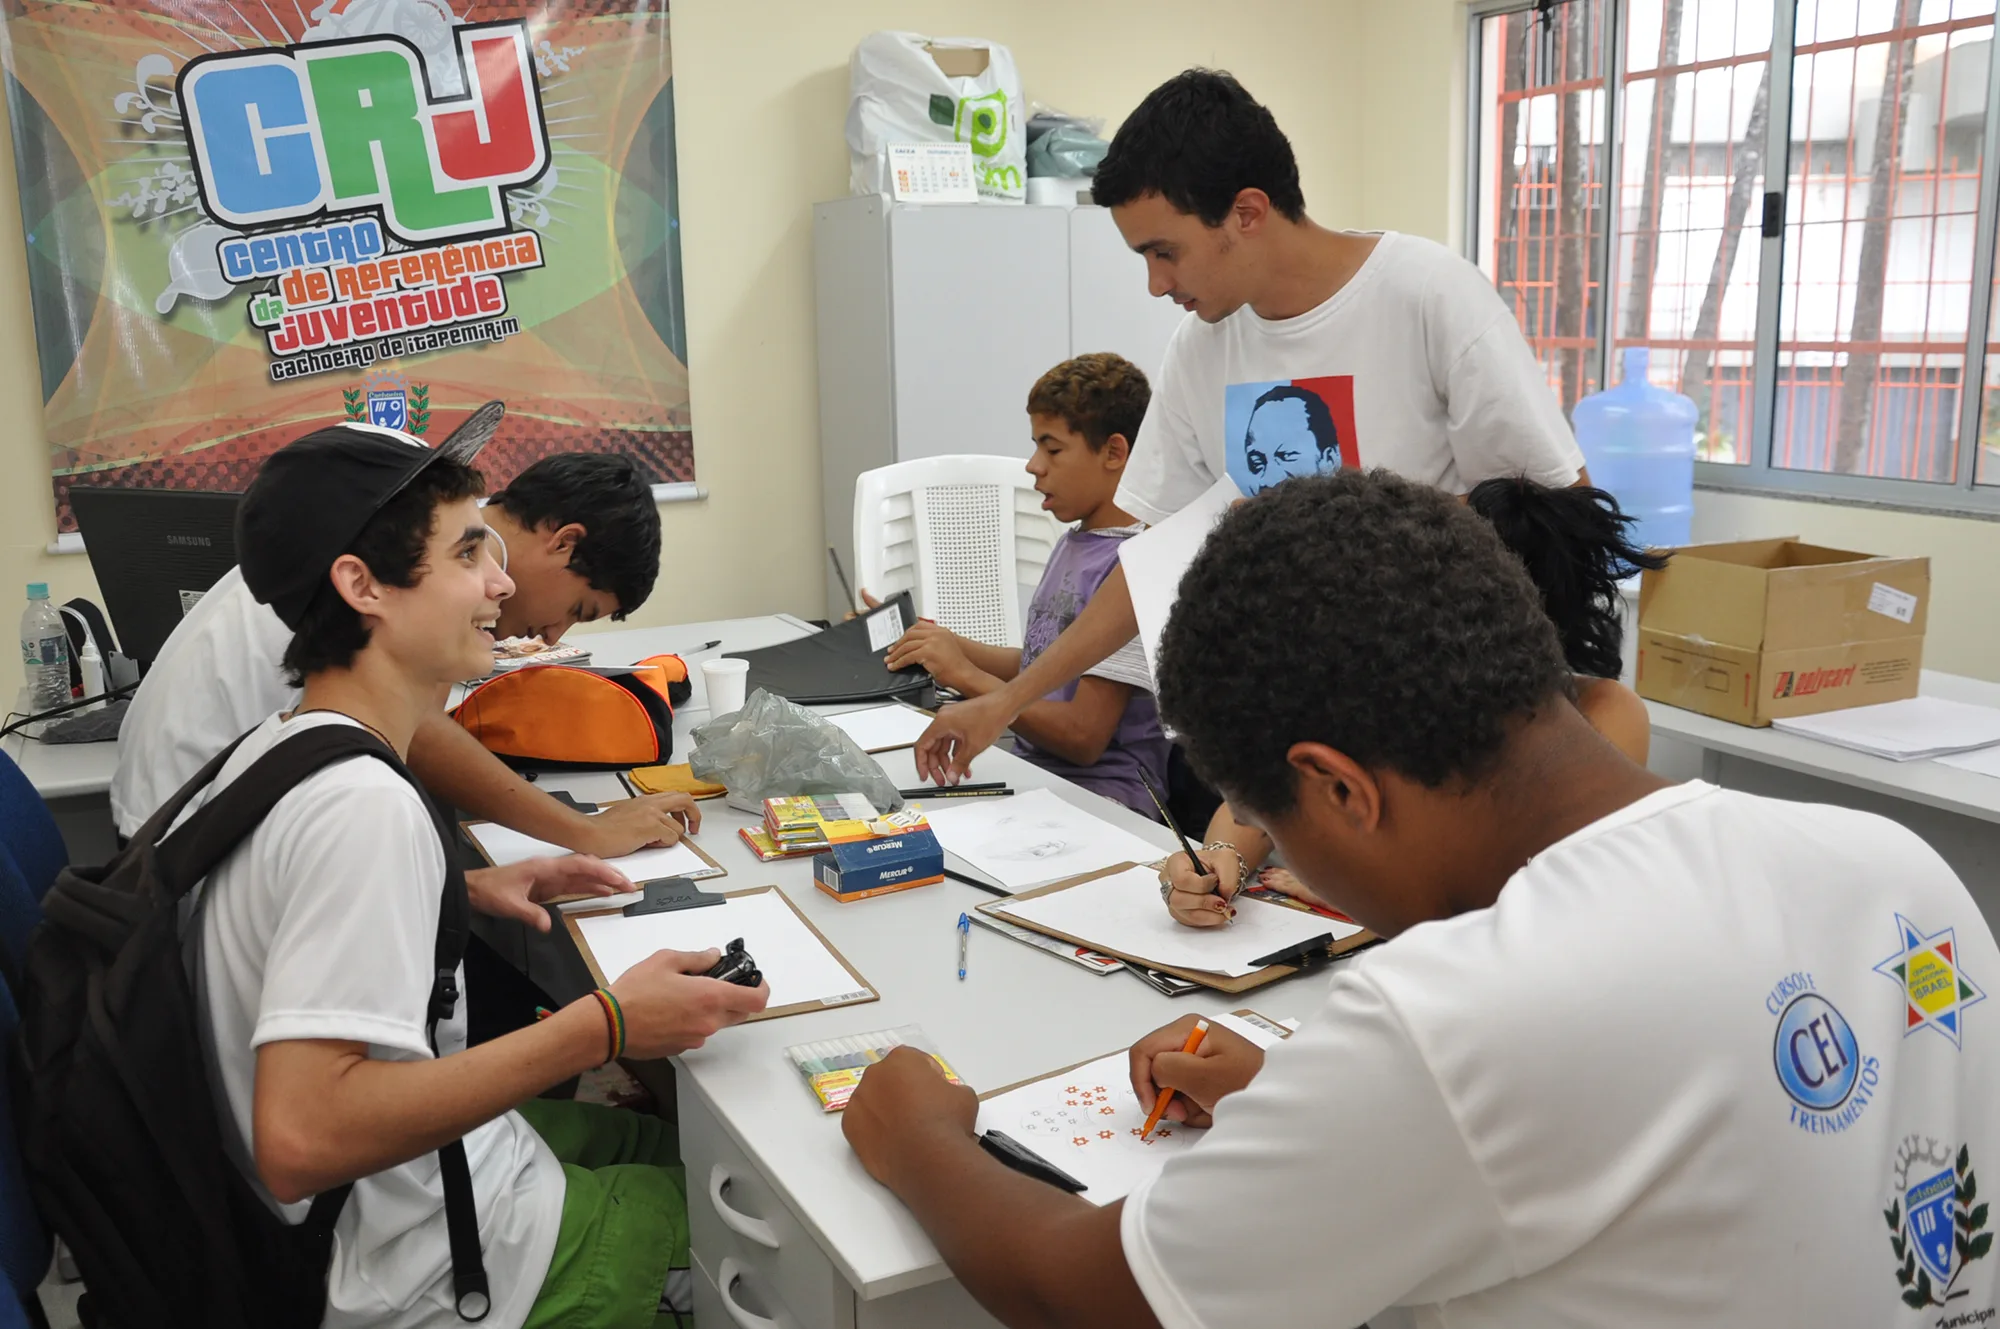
(1243, 873)
(1213, 846)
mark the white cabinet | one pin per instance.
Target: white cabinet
(756, 1265)
(934, 321)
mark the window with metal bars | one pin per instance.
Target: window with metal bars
(1788, 201)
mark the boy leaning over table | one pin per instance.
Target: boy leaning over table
(1635, 1054)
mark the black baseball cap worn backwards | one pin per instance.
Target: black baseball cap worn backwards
(312, 497)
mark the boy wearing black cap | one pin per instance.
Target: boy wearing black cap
(310, 946)
(580, 535)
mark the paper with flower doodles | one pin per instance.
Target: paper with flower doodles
(1086, 1121)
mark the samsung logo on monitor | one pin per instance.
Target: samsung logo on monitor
(191, 541)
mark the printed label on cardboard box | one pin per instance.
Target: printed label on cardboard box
(1892, 603)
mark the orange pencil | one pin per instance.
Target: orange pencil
(1166, 1094)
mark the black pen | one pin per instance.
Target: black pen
(1027, 1162)
(997, 789)
(1302, 954)
(986, 886)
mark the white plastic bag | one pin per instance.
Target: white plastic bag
(900, 92)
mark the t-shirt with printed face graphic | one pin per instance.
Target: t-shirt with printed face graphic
(1290, 433)
(1415, 365)
(1279, 430)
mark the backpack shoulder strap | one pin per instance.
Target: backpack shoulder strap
(156, 825)
(470, 1292)
(191, 852)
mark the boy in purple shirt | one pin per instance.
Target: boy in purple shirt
(1101, 730)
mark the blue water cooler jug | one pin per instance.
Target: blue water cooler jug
(1638, 441)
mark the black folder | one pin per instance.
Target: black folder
(843, 663)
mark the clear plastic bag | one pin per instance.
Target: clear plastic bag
(1063, 145)
(773, 748)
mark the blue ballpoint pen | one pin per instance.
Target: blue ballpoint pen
(964, 931)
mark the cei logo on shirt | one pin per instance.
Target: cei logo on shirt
(1936, 990)
(1936, 1223)
(1817, 1058)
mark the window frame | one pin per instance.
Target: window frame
(1964, 495)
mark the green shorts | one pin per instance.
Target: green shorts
(624, 1217)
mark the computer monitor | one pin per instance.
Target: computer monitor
(156, 552)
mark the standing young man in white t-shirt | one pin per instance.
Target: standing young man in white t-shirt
(311, 947)
(1635, 1054)
(1306, 350)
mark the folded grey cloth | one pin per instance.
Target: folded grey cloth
(98, 726)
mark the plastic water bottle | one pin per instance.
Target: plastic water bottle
(44, 650)
(1638, 441)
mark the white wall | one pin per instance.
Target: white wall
(760, 95)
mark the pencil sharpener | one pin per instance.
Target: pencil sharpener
(736, 966)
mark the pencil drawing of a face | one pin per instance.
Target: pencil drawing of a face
(1024, 839)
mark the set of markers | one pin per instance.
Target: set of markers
(833, 1066)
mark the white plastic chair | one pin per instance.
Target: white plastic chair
(966, 536)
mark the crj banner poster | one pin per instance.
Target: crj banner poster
(246, 218)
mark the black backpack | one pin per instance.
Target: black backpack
(118, 1125)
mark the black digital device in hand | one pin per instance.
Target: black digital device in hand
(736, 966)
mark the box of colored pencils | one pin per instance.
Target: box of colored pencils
(833, 1066)
(877, 866)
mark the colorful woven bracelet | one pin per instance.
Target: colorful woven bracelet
(615, 1016)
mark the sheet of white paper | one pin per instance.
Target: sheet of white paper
(506, 846)
(1087, 1123)
(1902, 730)
(1155, 559)
(1984, 761)
(1123, 913)
(1032, 839)
(882, 728)
(796, 963)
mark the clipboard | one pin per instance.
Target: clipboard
(709, 871)
(1221, 983)
(861, 985)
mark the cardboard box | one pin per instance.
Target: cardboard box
(861, 868)
(1763, 629)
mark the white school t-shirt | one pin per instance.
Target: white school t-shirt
(218, 675)
(1415, 365)
(1712, 1060)
(322, 925)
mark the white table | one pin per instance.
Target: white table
(75, 778)
(64, 770)
(1956, 811)
(765, 1165)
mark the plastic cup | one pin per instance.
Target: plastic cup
(726, 680)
